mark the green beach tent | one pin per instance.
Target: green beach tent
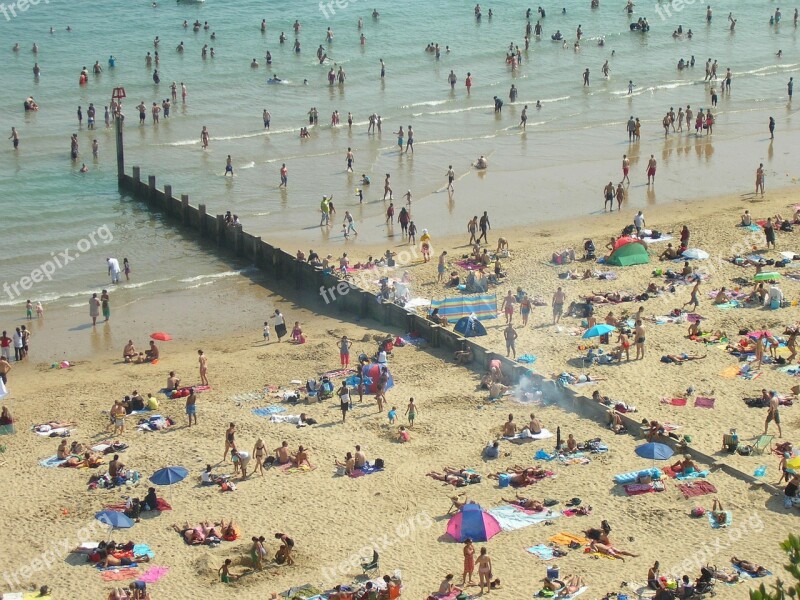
(628, 251)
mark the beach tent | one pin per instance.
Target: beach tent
(372, 373)
(628, 251)
(472, 522)
(483, 306)
(470, 326)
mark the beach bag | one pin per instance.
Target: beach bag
(379, 463)
(698, 511)
(745, 450)
(644, 479)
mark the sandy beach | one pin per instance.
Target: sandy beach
(334, 520)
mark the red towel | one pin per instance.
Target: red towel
(669, 472)
(678, 401)
(698, 488)
(635, 489)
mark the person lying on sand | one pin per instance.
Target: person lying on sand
(750, 568)
(520, 476)
(718, 513)
(609, 550)
(680, 358)
(113, 561)
(526, 503)
(572, 379)
(615, 421)
(90, 460)
(565, 588)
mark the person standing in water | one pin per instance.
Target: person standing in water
(228, 166)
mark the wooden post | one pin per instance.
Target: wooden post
(202, 209)
(185, 209)
(120, 150)
(151, 184)
(257, 258)
(221, 230)
(137, 175)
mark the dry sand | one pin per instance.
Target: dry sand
(333, 519)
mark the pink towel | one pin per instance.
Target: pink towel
(698, 488)
(635, 489)
(153, 574)
(119, 574)
(703, 402)
(678, 401)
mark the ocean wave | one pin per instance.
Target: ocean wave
(426, 103)
(213, 276)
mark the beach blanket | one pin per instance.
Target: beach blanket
(527, 359)
(674, 401)
(692, 476)
(302, 592)
(636, 489)
(646, 237)
(337, 373)
(739, 570)
(161, 505)
(564, 539)
(715, 525)
(119, 574)
(290, 469)
(482, 306)
(248, 396)
(291, 419)
(730, 372)
(153, 574)
(58, 432)
(414, 340)
(729, 304)
(703, 402)
(576, 593)
(529, 437)
(699, 488)
(451, 596)
(512, 517)
(542, 551)
(268, 411)
(133, 566)
(573, 460)
(365, 470)
(52, 461)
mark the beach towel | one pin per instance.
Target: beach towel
(119, 574)
(336, 373)
(542, 551)
(527, 359)
(730, 372)
(268, 411)
(576, 593)
(512, 517)
(291, 419)
(728, 304)
(564, 539)
(636, 489)
(153, 574)
(699, 488)
(132, 566)
(693, 475)
(703, 402)
(52, 461)
(713, 522)
(248, 396)
(161, 504)
(677, 401)
(633, 476)
(290, 469)
(669, 472)
(306, 591)
(739, 570)
(573, 460)
(529, 437)
(451, 596)
(58, 432)
(543, 455)
(365, 470)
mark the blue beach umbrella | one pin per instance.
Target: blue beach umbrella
(169, 475)
(114, 519)
(654, 450)
(598, 330)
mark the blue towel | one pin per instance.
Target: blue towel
(527, 358)
(741, 571)
(543, 455)
(542, 551)
(369, 469)
(268, 411)
(52, 461)
(692, 475)
(512, 518)
(142, 549)
(713, 521)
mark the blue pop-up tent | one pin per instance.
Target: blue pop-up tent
(470, 326)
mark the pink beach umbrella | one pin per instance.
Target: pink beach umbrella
(474, 523)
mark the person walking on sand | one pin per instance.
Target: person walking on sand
(558, 305)
(345, 403)
(508, 306)
(771, 128)
(472, 228)
(411, 412)
(693, 300)
(387, 188)
(203, 361)
(772, 412)
(510, 335)
(280, 324)
(640, 339)
(484, 226)
(230, 440)
(608, 194)
(451, 176)
(760, 178)
(769, 233)
(344, 352)
(484, 570)
(441, 265)
(191, 406)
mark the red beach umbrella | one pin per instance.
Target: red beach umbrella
(161, 336)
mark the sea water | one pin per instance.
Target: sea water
(557, 168)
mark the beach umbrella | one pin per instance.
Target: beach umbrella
(169, 475)
(695, 254)
(654, 450)
(768, 276)
(558, 438)
(757, 335)
(114, 519)
(161, 336)
(793, 463)
(598, 330)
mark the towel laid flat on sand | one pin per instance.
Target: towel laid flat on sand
(513, 517)
(741, 571)
(542, 551)
(290, 469)
(119, 574)
(153, 574)
(636, 489)
(52, 461)
(713, 521)
(564, 539)
(700, 488)
(365, 470)
(268, 411)
(58, 432)
(529, 437)
(693, 475)
(703, 402)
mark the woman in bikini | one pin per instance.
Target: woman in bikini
(230, 440)
(525, 309)
(526, 503)
(609, 550)
(260, 454)
(484, 570)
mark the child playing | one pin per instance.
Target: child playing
(266, 331)
(297, 334)
(39, 310)
(393, 415)
(225, 574)
(29, 310)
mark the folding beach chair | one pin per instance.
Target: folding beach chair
(730, 442)
(762, 443)
(373, 564)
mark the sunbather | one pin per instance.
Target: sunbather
(718, 513)
(496, 390)
(680, 358)
(750, 568)
(571, 585)
(113, 561)
(509, 427)
(50, 425)
(599, 535)
(526, 503)
(348, 465)
(300, 457)
(609, 550)
(721, 298)
(726, 577)
(686, 465)
(89, 459)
